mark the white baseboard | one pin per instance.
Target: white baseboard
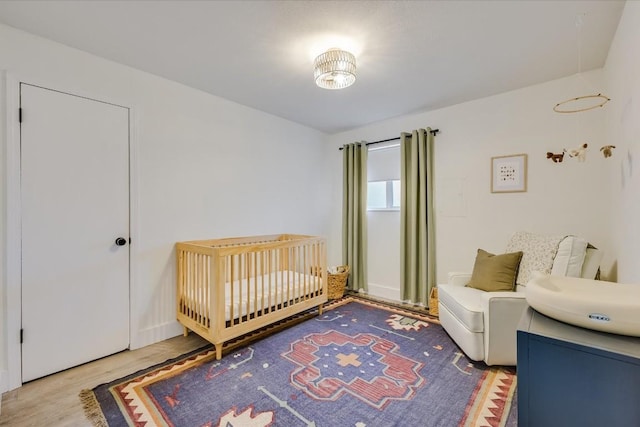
(382, 291)
(4, 383)
(155, 334)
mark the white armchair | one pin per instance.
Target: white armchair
(482, 323)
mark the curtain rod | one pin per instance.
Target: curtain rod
(434, 132)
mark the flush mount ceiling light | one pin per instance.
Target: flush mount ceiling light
(335, 69)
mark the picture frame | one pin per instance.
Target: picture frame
(509, 173)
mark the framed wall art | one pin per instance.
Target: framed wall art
(509, 173)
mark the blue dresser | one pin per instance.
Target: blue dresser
(570, 376)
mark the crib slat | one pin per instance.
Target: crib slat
(251, 283)
(192, 274)
(262, 273)
(288, 273)
(232, 280)
(269, 269)
(207, 288)
(295, 275)
(255, 284)
(278, 277)
(201, 287)
(305, 274)
(246, 284)
(196, 287)
(198, 284)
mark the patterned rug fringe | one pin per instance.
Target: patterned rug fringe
(92, 409)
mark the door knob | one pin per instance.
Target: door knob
(121, 241)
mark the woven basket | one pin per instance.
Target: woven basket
(336, 282)
(433, 302)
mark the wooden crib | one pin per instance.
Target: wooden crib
(229, 287)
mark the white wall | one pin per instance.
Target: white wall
(563, 198)
(622, 78)
(206, 168)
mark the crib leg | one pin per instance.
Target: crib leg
(185, 331)
(320, 310)
(218, 351)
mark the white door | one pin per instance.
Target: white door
(75, 204)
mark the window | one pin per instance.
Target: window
(383, 195)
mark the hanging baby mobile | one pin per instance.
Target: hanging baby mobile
(577, 105)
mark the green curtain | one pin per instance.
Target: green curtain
(417, 243)
(354, 214)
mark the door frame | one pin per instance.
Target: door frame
(13, 220)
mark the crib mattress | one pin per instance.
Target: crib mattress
(264, 293)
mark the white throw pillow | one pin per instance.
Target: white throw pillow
(591, 264)
(570, 257)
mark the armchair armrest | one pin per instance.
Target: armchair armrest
(459, 279)
(502, 313)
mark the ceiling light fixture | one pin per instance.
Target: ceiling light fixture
(335, 69)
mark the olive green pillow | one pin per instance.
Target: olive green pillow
(494, 273)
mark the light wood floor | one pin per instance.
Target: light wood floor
(53, 400)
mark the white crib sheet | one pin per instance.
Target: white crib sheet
(272, 289)
(280, 286)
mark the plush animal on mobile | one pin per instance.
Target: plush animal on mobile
(557, 158)
(607, 150)
(580, 152)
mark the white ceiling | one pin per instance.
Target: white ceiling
(412, 56)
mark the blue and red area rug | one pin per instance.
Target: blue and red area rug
(360, 364)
